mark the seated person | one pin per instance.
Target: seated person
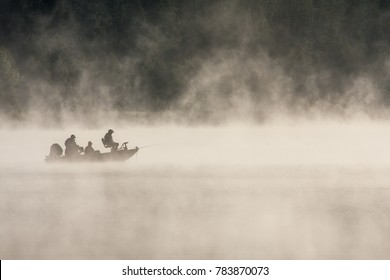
(109, 142)
(89, 149)
(71, 148)
(55, 151)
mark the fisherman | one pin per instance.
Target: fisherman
(89, 150)
(55, 151)
(109, 142)
(71, 148)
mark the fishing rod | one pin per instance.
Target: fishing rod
(143, 147)
(149, 146)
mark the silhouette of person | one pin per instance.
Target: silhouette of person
(55, 151)
(71, 148)
(109, 141)
(89, 149)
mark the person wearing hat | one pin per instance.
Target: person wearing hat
(109, 141)
(71, 148)
(89, 149)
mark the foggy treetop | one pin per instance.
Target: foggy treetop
(193, 61)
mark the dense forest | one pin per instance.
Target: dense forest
(195, 61)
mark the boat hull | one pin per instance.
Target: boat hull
(121, 155)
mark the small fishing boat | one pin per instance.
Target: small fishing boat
(121, 154)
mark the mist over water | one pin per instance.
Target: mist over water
(189, 62)
(303, 191)
(305, 143)
(266, 126)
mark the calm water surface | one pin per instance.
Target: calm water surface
(131, 211)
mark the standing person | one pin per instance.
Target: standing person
(108, 141)
(71, 148)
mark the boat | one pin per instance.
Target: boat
(121, 154)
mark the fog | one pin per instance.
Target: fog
(283, 143)
(182, 62)
(263, 128)
(297, 191)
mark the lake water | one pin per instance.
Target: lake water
(200, 193)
